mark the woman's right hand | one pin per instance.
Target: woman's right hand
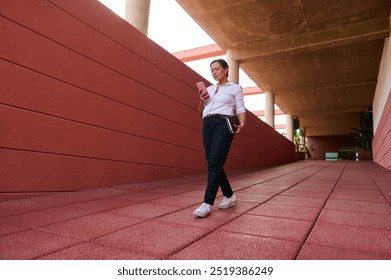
(204, 96)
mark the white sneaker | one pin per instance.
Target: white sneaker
(228, 202)
(202, 211)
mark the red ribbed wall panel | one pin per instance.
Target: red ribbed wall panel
(88, 101)
(381, 145)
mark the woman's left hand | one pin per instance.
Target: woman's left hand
(239, 127)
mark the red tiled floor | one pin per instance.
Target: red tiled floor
(17, 196)
(360, 206)
(144, 210)
(154, 238)
(64, 198)
(298, 201)
(141, 196)
(221, 245)
(304, 193)
(275, 185)
(357, 186)
(361, 219)
(286, 211)
(45, 217)
(367, 240)
(91, 226)
(259, 189)
(6, 228)
(314, 252)
(313, 188)
(250, 197)
(372, 196)
(303, 210)
(387, 195)
(103, 204)
(243, 206)
(273, 227)
(104, 192)
(199, 193)
(215, 220)
(169, 191)
(92, 251)
(137, 187)
(179, 201)
(14, 207)
(31, 244)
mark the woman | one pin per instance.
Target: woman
(220, 100)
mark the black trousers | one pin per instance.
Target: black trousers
(217, 141)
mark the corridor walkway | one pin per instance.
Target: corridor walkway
(303, 210)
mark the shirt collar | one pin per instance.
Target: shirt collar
(226, 84)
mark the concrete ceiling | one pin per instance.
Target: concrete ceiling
(320, 58)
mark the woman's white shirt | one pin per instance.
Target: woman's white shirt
(227, 101)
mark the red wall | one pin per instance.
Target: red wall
(88, 101)
(332, 143)
(381, 145)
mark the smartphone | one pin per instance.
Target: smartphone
(201, 86)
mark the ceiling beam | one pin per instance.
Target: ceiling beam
(199, 53)
(313, 90)
(325, 38)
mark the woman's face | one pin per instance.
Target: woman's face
(218, 72)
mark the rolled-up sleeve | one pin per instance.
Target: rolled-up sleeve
(239, 100)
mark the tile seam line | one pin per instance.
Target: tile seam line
(7, 234)
(305, 238)
(339, 248)
(278, 217)
(84, 215)
(245, 212)
(262, 236)
(79, 242)
(358, 212)
(355, 226)
(105, 212)
(377, 185)
(93, 198)
(297, 167)
(41, 209)
(363, 201)
(90, 240)
(151, 219)
(98, 198)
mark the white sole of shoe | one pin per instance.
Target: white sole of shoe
(223, 207)
(201, 215)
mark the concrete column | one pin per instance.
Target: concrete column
(233, 74)
(289, 127)
(137, 14)
(269, 108)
